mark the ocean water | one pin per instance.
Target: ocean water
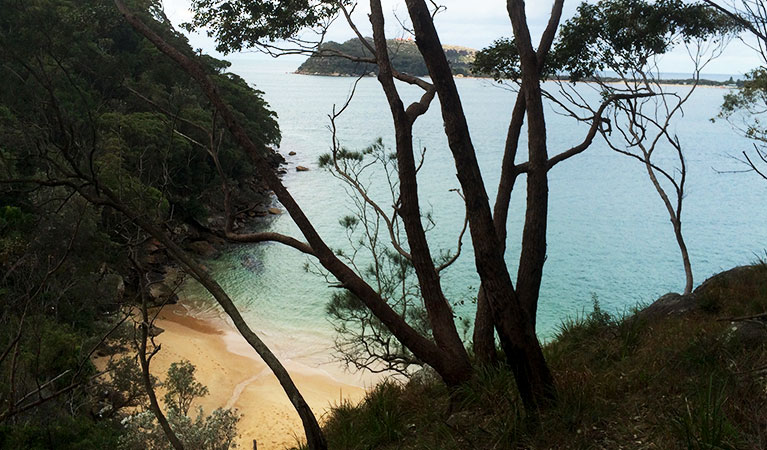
(609, 234)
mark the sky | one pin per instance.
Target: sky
(475, 24)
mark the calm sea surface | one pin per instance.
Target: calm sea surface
(609, 235)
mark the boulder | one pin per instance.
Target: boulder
(302, 169)
(162, 293)
(670, 304)
(291, 153)
(251, 263)
(750, 333)
(203, 248)
(426, 375)
(110, 288)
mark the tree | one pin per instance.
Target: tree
(446, 352)
(744, 107)
(614, 45)
(588, 46)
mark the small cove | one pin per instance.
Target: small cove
(609, 236)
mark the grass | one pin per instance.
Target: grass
(677, 382)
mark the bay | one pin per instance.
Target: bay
(609, 236)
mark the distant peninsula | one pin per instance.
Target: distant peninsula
(404, 56)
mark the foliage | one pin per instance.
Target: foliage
(704, 426)
(216, 431)
(500, 60)
(245, 23)
(616, 35)
(375, 245)
(69, 433)
(744, 107)
(181, 388)
(86, 98)
(622, 35)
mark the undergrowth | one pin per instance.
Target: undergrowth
(689, 381)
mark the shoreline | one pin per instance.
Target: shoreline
(665, 83)
(237, 378)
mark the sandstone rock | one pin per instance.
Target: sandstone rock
(302, 169)
(162, 293)
(275, 211)
(110, 288)
(203, 248)
(670, 304)
(251, 263)
(292, 153)
(425, 375)
(750, 333)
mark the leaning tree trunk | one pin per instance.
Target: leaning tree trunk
(315, 438)
(437, 307)
(675, 216)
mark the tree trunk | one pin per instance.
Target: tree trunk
(437, 307)
(675, 217)
(685, 258)
(146, 377)
(484, 334)
(515, 327)
(483, 338)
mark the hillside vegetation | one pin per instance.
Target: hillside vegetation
(688, 373)
(404, 57)
(85, 96)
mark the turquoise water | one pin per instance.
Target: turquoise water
(609, 234)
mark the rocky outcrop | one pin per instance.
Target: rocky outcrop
(738, 289)
(669, 305)
(203, 248)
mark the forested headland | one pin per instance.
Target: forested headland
(349, 59)
(92, 116)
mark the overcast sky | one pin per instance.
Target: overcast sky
(476, 24)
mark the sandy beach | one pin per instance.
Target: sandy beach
(237, 378)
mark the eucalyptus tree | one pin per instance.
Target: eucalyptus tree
(614, 45)
(641, 125)
(511, 307)
(745, 107)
